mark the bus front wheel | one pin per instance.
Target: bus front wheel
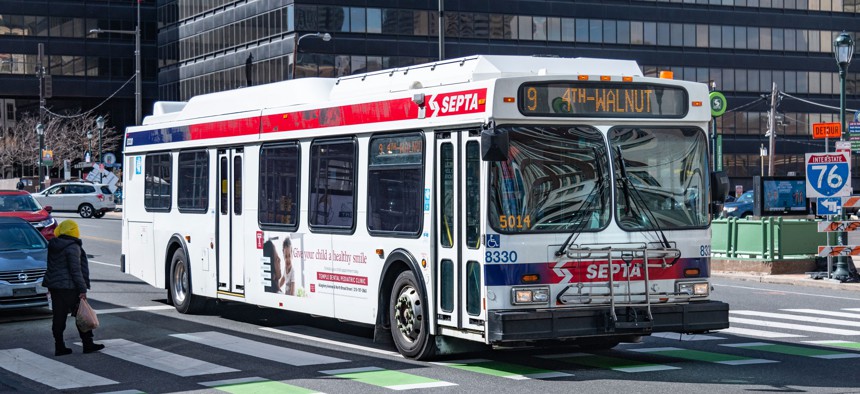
(408, 318)
(180, 285)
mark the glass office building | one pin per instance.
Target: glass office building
(88, 71)
(740, 46)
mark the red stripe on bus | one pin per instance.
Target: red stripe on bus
(382, 111)
(224, 128)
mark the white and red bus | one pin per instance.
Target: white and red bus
(496, 200)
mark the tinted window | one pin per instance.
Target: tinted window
(446, 202)
(20, 236)
(105, 190)
(18, 203)
(395, 194)
(332, 198)
(473, 198)
(279, 184)
(158, 187)
(193, 181)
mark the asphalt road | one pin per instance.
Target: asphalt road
(783, 338)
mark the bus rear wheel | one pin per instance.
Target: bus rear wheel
(183, 298)
(408, 318)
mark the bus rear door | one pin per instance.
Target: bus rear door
(231, 244)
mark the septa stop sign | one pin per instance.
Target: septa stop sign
(828, 175)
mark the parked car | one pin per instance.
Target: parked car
(23, 261)
(741, 207)
(19, 203)
(87, 199)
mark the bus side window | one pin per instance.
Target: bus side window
(473, 196)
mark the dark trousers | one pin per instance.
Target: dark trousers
(64, 302)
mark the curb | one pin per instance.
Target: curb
(794, 280)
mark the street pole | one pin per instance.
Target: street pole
(138, 103)
(771, 121)
(843, 51)
(441, 30)
(100, 124)
(40, 70)
(325, 37)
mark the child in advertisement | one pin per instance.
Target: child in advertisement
(279, 262)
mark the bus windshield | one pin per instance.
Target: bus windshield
(666, 175)
(553, 181)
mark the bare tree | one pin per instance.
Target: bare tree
(66, 137)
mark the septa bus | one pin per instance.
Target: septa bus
(493, 200)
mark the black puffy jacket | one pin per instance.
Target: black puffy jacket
(68, 267)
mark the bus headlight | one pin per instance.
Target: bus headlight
(694, 288)
(529, 295)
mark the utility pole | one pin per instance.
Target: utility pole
(441, 30)
(40, 73)
(771, 125)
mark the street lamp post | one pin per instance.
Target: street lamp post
(138, 106)
(100, 124)
(325, 37)
(763, 154)
(844, 50)
(40, 130)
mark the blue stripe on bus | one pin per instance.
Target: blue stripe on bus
(158, 136)
(511, 274)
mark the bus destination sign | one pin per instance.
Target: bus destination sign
(602, 99)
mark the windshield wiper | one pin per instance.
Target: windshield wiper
(589, 201)
(631, 198)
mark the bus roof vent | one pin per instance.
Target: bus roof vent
(167, 107)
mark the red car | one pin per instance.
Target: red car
(18, 203)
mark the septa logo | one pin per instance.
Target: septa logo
(458, 103)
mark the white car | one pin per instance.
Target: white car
(87, 199)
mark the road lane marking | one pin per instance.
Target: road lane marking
(159, 359)
(113, 241)
(747, 332)
(698, 355)
(792, 292)
(133, 309)
(393, 380)
(99, 262)
(837, 343)
(606, 362)
(256, 385)
(502, 369)
(47, 371)
(790, 326)
(826, 313)
(793, 350)
(332, 342)
(810, 319)
(258, 349)
(686, 337)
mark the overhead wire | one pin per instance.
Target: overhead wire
(82, 114)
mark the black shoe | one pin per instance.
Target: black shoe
(93, 348)
(61, 350)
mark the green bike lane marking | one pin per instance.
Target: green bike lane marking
(698, 355)
(837, 343)
(502, 369)
(606, 362)
(793, 350)
(393, 380)
(256, 385)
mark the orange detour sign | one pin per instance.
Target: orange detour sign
(848, 250)
(826, 130)
(829, 227)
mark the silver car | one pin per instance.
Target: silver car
(23, 261)
(87, 199)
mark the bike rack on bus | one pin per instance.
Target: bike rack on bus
(653, 256)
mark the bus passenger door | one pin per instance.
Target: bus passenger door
(459, 270)
(231, 243)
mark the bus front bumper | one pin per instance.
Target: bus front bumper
(561, 323)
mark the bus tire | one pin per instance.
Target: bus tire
(408, 316)
(183, 298)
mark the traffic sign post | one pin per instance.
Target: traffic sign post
(826, 130)
(829, 175)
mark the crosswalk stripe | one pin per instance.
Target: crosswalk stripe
(133, 309)
(698, 355)
(851, 309)
(393, 380)
(159, 359)
(47, 371)
(258, 349)
(758, 333)
(793, 350)
(810, 319)
(826, 313)
(606, 362)
(686, 337)
(256, 385)
(790, 326)
(502, 369)
(843, 344)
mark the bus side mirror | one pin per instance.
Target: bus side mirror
(494, 145)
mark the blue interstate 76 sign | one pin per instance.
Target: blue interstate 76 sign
(828, 174)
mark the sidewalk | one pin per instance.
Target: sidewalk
(788, 279)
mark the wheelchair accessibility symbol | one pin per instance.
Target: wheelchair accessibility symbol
(493, 241)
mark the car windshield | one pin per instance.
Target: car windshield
(19, 203)
(20, 236)
(746, 197)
